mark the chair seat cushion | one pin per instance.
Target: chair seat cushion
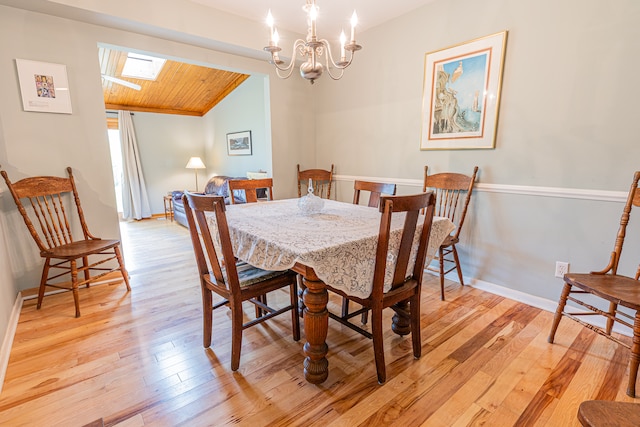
(615, 288)
(249, 275)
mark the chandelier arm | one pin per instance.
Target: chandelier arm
(337, 76)
(312, 50)
(334, 72)
(289, 68)
(282, 74)
(339, 65)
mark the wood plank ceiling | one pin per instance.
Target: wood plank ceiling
(180, 88)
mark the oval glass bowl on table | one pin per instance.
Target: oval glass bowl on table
(310, 204)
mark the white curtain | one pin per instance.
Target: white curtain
(135, 202)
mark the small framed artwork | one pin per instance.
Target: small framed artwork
(44, 86)
(461, 95)
(239, 143)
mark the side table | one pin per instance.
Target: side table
(168, 207)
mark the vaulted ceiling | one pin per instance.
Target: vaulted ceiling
(180, 88)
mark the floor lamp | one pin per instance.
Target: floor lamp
(195, 163)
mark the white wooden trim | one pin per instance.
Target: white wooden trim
(532, 300)
(7, 342)
(543, 304)
(527, 190)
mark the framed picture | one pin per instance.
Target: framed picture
(239, 143)
(461, 95)
(44, 87)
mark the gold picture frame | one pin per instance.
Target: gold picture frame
(461, 94)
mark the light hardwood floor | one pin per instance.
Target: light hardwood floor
(136, 359)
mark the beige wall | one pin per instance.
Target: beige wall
(42, 143)
(246, 108)
(566, 126)
(566, 136)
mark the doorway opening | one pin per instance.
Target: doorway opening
(177, 120)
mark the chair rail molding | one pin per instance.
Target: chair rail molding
(525, 190)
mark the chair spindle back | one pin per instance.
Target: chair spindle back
(633, 199)
(43, 210)
(453, 193)
(320, 181)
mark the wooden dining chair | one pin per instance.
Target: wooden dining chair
(45, 214)
(403, 288)
(250, 188)
(608, 285)
(321, 181)
(375, 189)
(234, 281)
(453, 193)
(606, 413)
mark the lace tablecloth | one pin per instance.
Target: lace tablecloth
(339, 243)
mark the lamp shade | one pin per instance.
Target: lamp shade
(195, 163)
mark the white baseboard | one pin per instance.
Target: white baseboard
(532, 300)
(7, 342)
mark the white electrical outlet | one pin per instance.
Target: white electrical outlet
(562, 268)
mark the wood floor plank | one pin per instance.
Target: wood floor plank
(590, 375)
(616, 372)
(136, 359)
(522, 358)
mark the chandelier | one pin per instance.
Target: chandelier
(313, 50)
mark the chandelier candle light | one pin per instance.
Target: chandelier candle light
(313, 49)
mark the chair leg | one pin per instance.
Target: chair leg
(301, 288)
(207, 316)
(236, 333)
(556, 318)
(74, 286)
(378, 343)
(345, 307)
(85, 269)
(364, 317)
(414, 307)
(295, 318)
(635, 357)
(457, 260)
(441, 260)
(123, 270)
(262, 298)
(43, 282)
(613, 307)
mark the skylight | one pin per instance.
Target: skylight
(142, 66)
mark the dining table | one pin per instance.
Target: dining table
(335, 246)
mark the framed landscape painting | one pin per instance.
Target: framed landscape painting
(239, 143)
(461, 95)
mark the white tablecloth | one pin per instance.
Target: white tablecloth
(339, 243)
